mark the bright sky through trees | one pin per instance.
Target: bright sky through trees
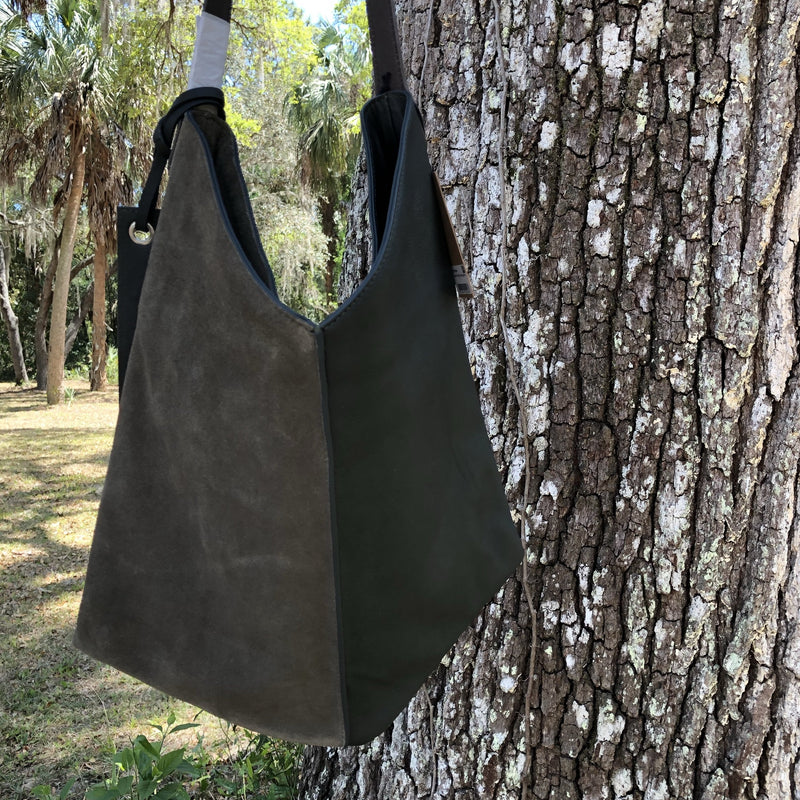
(317, 8)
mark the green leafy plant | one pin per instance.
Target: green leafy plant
(267, 769)
(43, 792)
(259, 768)
(112, 365)
(144, 770)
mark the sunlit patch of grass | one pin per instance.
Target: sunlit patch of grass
(61, 713)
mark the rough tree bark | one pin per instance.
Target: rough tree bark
(626, 178)
(10, 320)
(98, 379)
(43, 316)
(58, 317)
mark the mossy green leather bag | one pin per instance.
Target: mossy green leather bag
(299, 519)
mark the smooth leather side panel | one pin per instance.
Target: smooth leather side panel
(424, 530)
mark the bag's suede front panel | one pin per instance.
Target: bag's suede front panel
(425, 537)
(211, 572)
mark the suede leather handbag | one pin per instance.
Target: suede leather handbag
(299, 519)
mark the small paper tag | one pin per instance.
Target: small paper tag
(463, 283)
(460, 274)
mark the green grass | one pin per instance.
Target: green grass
(62, 714)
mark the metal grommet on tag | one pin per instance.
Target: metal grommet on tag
(141, 237)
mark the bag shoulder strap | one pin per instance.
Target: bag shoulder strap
(205, 80)
(211, 44)
(387, 58)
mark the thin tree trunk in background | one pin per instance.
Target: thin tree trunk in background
(99, 382)
(58, 318)
(78, 318)
(328, 218)
(10, 321)
(105, 19)
(626, 179)
(43, 315)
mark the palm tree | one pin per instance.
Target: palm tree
(64, 102)
(28, 7)
(324, 109)
(107, 184)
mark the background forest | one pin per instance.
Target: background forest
(81, 88)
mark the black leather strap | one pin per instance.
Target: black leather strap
(218, 8)
(387, 62)
(162, 140)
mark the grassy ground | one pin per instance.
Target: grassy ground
(62, 714)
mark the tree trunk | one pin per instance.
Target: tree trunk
(99, 382)
(58, 317)
(43, 315)
(78, 318)
(328, 217)
(10, 321)
(627, 181)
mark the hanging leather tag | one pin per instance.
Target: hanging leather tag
(132, 257)
(460, 275)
